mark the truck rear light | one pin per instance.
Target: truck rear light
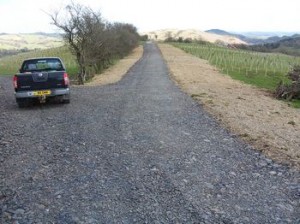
(15, 82)
(66, 79)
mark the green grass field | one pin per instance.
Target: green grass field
(264, 70)
(10, 65)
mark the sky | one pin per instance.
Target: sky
(27, 16)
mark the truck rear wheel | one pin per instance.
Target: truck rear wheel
(67, 101)
(65, 98)
(23, 103)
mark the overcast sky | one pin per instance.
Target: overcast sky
(25, 16)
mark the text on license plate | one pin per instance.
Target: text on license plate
(41, 93)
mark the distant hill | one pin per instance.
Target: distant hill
(219, 32)
(266, 35)
(287, 45)
(255, 38)
(192, 34)
(29, 41)
(249, 40)
(281, 44)
(56, 35)
(239, 36)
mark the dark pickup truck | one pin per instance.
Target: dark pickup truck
(41, 79)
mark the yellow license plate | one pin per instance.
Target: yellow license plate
(42, 93)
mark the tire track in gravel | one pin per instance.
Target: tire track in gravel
(139, 151)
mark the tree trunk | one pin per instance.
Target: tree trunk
(82, 70)
(81, 75)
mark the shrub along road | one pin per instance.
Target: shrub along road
(139, 151)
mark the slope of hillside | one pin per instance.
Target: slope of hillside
(193, 34)
(29, 41)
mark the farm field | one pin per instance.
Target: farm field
(9, 65)
(264, 70)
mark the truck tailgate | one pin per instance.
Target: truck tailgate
(40, 81)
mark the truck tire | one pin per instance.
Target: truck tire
(66, 99)
(22, 103)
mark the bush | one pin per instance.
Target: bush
(144, 37)
(292, 90)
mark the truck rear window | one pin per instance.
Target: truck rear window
(34, 65)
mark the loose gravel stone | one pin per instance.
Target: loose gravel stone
(139, 151)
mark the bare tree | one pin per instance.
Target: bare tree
(80, 25)
(94, 42)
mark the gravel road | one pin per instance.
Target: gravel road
(139, 151)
